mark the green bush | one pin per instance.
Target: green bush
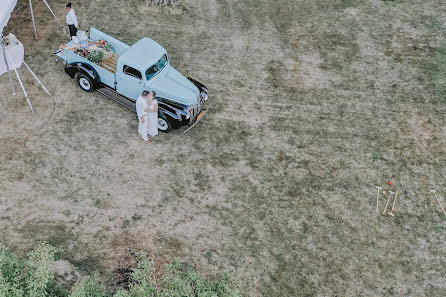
(32, 277)
(88, 287)
(179, 279)
(183, 280)
(96, 56)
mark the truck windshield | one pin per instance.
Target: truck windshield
(157, 67)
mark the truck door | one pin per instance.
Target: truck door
(129, 82)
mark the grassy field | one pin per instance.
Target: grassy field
(312, 104)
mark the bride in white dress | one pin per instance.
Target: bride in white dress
(141, 107)
(152, 115)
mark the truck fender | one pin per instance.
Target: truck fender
(199, 85)
(162, 114)
(73, 68)
(90, 71)
(171, 109)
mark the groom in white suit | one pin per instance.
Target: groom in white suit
(141, 105)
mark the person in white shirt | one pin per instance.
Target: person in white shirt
(72, 22)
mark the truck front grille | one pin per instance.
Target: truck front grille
(194, 112)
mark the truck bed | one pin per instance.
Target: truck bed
(110, 64)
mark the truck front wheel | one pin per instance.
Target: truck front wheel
(85, 82)
(163, 124)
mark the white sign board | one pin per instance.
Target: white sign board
(14, 53)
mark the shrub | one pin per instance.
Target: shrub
(32, 277)
(88, 287)
(179, 279)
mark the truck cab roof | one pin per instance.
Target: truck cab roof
(142, 54)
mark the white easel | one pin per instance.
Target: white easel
(7, 59)
(7, 66)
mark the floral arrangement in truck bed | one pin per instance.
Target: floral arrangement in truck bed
(95, 50)
(104, 44)
(96, 56)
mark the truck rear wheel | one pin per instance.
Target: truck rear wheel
(163, 124)
(85, 82)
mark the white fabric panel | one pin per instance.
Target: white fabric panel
(14, 52)
(6, 7)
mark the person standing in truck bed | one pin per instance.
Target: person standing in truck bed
(72, 22)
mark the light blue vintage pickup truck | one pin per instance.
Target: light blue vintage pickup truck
(129, 70)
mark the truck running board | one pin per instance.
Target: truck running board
(110, 93)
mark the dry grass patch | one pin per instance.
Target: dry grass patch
(312, 104)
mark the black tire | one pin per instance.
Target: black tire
(85, 82)
(164, 125)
